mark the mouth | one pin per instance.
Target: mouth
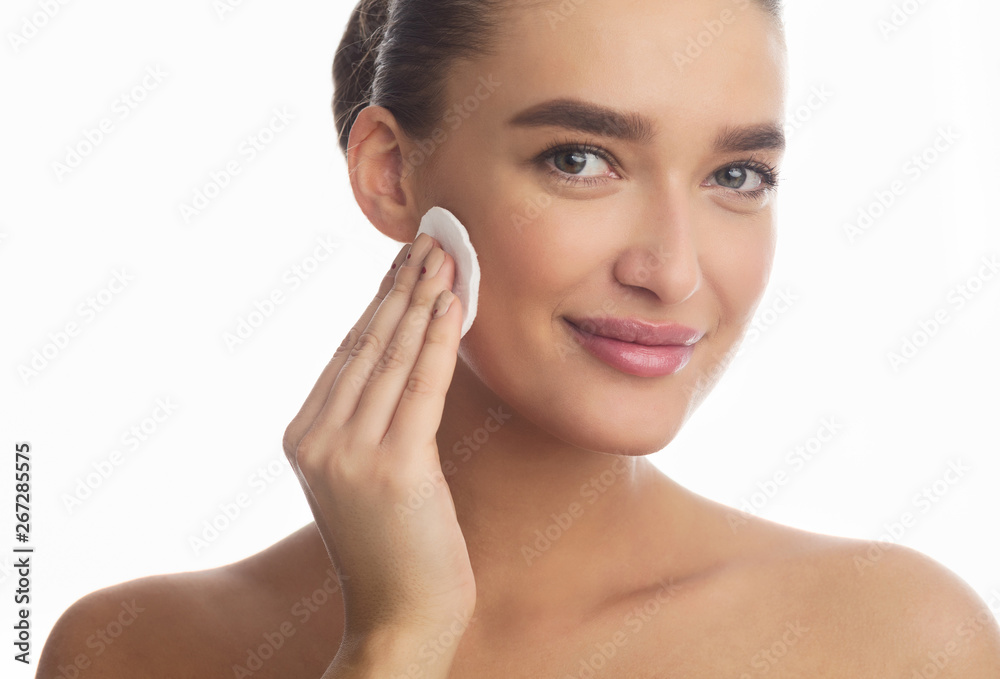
(636, 347)
(638, 331)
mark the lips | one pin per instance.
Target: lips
(636, 347)
(638, 331)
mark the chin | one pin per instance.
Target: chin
(618, 424)
(574, 397)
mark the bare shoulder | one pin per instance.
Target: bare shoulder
(214, 622)
(128, 629)
(935, 619)
(887, 603)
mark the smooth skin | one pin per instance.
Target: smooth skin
(645, 578)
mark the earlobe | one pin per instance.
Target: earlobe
(375, 167)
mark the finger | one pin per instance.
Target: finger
(418, 415)
(321, 389)
(390, 376)
(352, 379)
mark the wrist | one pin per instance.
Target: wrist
(404, 652)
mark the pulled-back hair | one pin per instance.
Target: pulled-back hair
(398, 53)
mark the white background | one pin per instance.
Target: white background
(823, 356)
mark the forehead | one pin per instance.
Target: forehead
(685, 64)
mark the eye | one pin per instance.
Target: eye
(748, 179)
(578, 164)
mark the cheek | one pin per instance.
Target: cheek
(529, 264)
(528, 240)
(737, 267)
(527, 255)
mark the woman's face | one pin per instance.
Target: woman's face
(676, 225)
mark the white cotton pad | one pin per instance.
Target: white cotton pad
(454, 239)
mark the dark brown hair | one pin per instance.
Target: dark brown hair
(397, 54)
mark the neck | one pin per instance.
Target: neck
(551, 527)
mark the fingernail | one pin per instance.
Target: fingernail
(399, 256)
(421, 246)
(433, 264)
(443, 303)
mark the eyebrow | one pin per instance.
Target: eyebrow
(584, 116)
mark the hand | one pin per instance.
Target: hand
(365, 437)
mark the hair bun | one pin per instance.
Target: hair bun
(354, 63)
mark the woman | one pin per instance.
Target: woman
(483, 504)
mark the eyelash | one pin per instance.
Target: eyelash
(768, 174)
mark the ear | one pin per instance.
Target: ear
(376, 170)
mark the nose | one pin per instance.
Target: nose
(662, 256)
